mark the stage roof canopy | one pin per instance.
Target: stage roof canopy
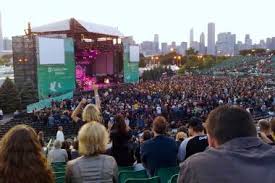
(64, 25)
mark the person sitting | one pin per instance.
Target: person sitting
(22, 159)
(57, 154)
(197, 142)
(236, 154)
(160, 151)
(92, 166)
(122, 148)
(265, 132)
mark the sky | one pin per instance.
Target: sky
(171, 19)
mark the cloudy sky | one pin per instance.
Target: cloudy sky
(171, 19)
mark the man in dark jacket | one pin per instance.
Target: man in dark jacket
(161, 151)
(235, 153)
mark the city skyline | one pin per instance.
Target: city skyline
(144, 18)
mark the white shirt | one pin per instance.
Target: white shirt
(158, 110)
(1, 112)
(60, 136)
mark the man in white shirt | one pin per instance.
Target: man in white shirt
(158, 110)
(1, 114)
(60, 135)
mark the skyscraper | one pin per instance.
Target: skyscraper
(226, 44)
(173, 45)
(211, 39)
(181, 49)
(272, 45)
(1, 35)
(191, 37)
(248, 42)
(164, 48)
(268, 43)
(156, 43)
(202, 44)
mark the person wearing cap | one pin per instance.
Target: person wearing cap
(197, 141)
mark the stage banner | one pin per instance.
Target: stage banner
(131, 73)
(47, 102)
(57, 79)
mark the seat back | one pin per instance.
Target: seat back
(124, 175)
(174, 178)
(60, 179)
(125, 168)
(155, 179)
(165, 174)
(59, 166)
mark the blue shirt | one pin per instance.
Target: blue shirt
(159, 152)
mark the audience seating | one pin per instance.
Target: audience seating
(59, 169)
(125, 168)
(60, 179)
(174, 179)
(124, 175)
(144, 180)
(165, 174)
(59, 166)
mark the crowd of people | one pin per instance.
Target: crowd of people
(204, 124)
(178, 99)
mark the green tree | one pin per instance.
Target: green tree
(9, 97)
(5, 60)
(191, 51)
(28, 95)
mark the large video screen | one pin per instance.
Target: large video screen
(51, 51)
(134, 53)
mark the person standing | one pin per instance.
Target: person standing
(22, 159)
(60, 134)
(1, 114)
(236, 154)
(93, 165)
(57, 154)
(161, 151)
(197, 142)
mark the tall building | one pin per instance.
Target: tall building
(181, 49)
(147, 48)
(1, 35)
(164, 48)
(173, 45)
(156, 43)
(196, 46)
(248, 42)
(211, 39)
(202, 44)
(262, 44)
(272, 45)
(191, 37)
(226, 44)
(268, 43)
(7, 44)
(129, 40)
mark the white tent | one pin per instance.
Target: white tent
(64, 25)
